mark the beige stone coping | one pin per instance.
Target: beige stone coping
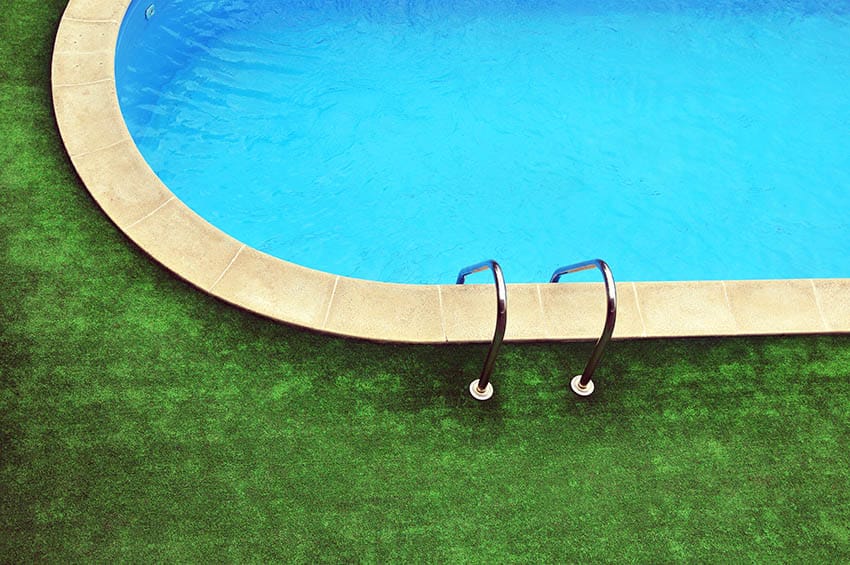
(131, 194)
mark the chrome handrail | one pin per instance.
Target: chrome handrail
(582, 384)
(481, 388)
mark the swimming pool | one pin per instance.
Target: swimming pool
(109, 163)
(398, 141)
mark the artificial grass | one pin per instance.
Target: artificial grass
(142, 420)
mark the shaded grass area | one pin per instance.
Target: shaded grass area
(143, 420)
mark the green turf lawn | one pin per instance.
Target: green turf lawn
(143, 420)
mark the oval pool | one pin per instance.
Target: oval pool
(117, 176)
(400, 141)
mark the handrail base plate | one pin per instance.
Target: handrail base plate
(576, 387)
(477, 394)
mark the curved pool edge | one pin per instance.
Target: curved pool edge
(133, 197)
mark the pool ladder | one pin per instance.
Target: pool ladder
(481, 388)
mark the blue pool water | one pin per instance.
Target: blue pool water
(402, 140)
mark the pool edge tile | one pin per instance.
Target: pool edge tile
(284, 291)
(685, 309)
(85, 36)
(469, 312)
(88, 116)
(72, 69)
(770, 307)
(97, 10)
(385, 312)
(833, 297)
(576, 311)
(122, 183)
(185, 243)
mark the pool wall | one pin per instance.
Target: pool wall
(133, 197)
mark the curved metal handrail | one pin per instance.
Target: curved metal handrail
(481, 388)
(582, 384)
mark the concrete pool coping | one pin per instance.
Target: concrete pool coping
(130, 193)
